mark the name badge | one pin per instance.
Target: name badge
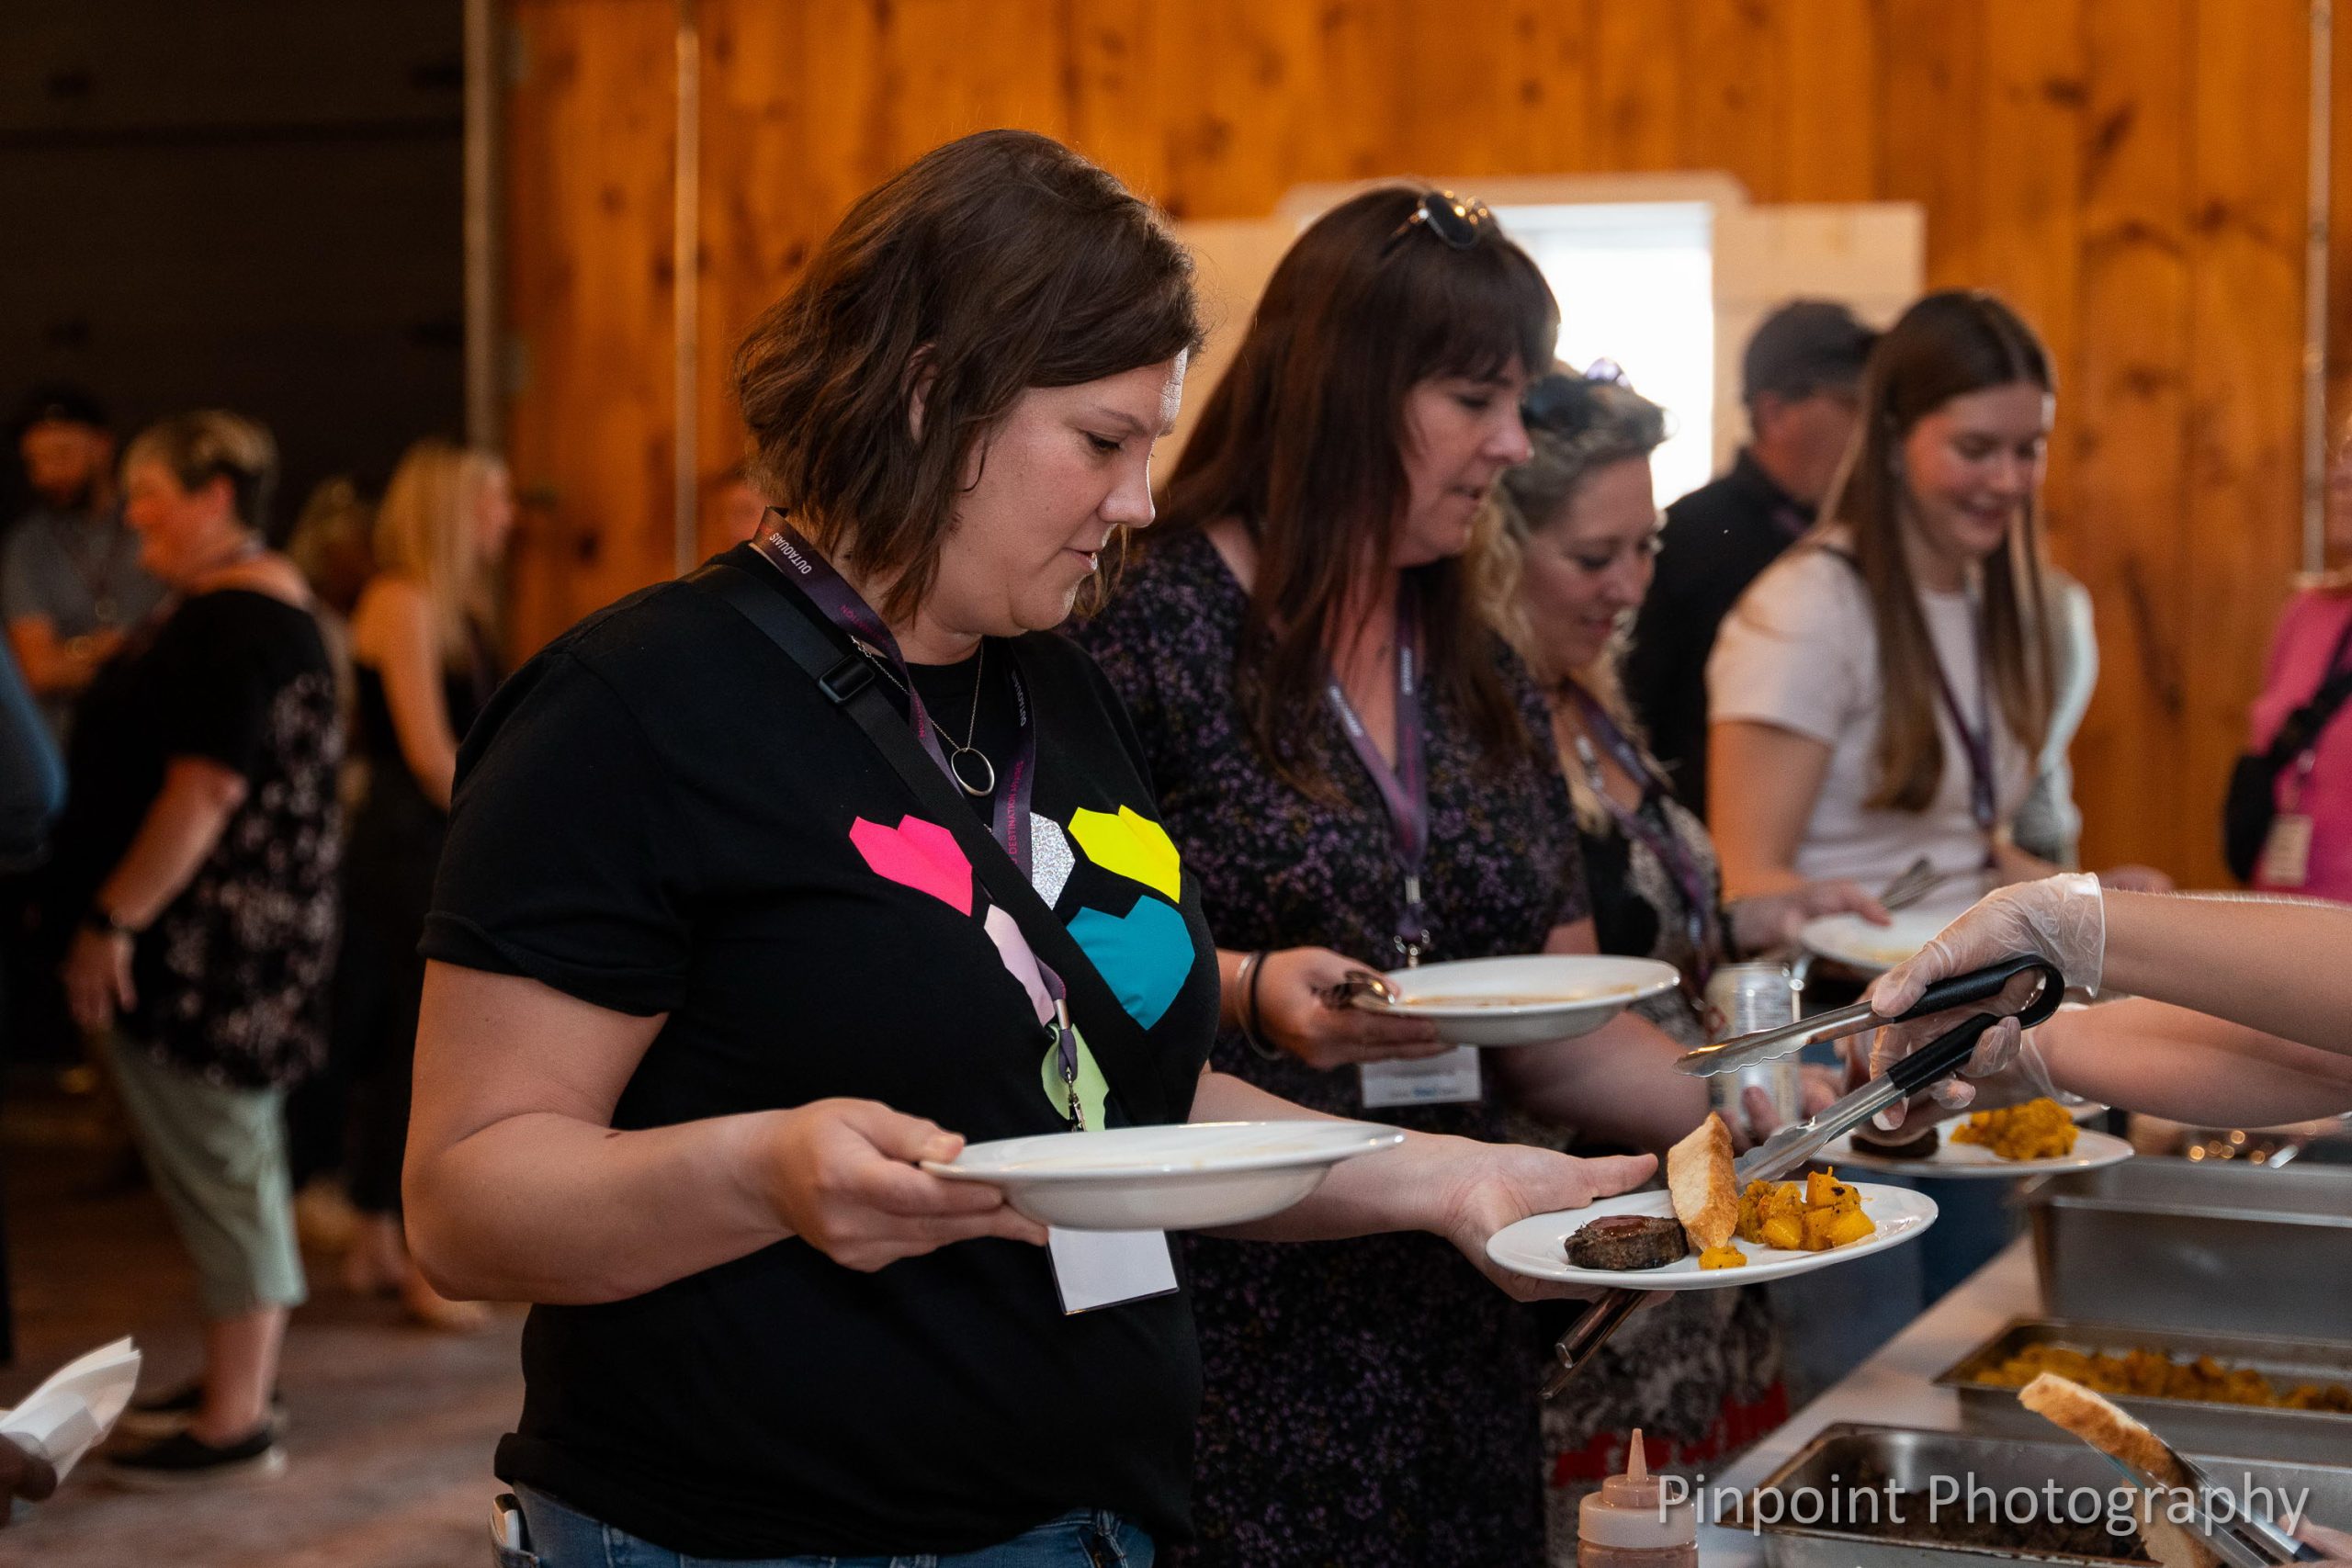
(1099, 1268)
(2287, 852)
(1449, 1079)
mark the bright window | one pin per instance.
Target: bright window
(1635, 282)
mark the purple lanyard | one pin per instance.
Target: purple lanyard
(1977, 740)
(796, 558)
(1404, 789)
(783, 547)
(1697, 891)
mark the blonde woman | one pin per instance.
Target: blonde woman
(423, 668)
(1580, 534)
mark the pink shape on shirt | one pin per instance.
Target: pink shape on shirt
(918, 854)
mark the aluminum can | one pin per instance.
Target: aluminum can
(1743, 998)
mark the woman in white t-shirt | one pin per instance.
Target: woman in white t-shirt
(1883, 692)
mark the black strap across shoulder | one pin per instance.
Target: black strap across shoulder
(1147, 1091)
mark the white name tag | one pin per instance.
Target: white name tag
(2287, 852)
(1099, 1268)
(1449, 1079)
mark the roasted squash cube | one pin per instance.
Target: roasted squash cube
(1724, 1256)
(1849, 1224)
(1784, 1232)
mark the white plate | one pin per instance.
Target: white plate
(1975, 1162)
(1519, 1001)
(1538, 1245)
(1192, 1176)
(1859, 945)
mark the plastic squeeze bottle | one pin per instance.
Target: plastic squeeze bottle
(1623, 1525)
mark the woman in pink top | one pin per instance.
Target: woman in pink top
(2315, 637)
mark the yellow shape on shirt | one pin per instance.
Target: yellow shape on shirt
(1131, 845)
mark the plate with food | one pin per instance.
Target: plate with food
(1522, 1000)
(1191, 1176)
(2034, 1139)
(1703, 1233)
(1853, 942)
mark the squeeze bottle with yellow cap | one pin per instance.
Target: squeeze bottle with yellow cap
(1623, 1524)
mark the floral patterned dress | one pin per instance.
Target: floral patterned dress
(1699, 1374)
(1369, 1401)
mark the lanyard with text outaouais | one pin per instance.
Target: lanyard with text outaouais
(785, 548)
(1404, 788)
(1691, 881)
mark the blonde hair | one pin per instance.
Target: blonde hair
(427, 531)
(1585, 425)
(213, 444)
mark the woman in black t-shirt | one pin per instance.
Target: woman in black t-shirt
(707, 983)
(199, 853)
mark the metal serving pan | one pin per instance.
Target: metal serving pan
(2191, 1425)
(2188, 1244)
(1914, 1459)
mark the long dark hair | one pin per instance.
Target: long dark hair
(997, 263)
(1301, 444)
(1947, 345)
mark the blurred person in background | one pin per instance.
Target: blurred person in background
(71, 584)
(198, 855)
(332, 545)
(1884, 692)
(422, 639)
(1580, 529)
(1799, 380)
(2301, 738)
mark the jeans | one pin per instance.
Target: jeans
(564, 1538)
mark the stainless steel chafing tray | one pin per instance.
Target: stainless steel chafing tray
(2186, 1244)
(2188, 1425)
(1914, 1460)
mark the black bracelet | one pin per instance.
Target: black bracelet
(1256, 964)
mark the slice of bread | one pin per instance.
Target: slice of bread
(2098, 1422)
(1698, 1180)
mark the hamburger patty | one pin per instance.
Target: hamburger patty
(1628, 1241)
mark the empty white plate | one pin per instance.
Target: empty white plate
(1975, 1162)
(1519, 1001)
(1538, 1245)
(1859, 945)
(1192, 1175)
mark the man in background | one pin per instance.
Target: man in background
(70, 579)
(1801, 379)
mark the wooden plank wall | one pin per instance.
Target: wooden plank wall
(2129, 172)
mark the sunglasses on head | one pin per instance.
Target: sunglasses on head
(1453, 218)
(1565, 403)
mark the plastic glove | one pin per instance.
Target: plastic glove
(2063, 919)
(2006, 1068)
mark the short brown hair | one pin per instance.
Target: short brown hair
(997, 263)
(213, 444)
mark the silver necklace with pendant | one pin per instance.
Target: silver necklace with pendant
(986, 784)
(956, 754)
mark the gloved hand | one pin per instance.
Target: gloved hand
(2006, 1068)
(2063, 919)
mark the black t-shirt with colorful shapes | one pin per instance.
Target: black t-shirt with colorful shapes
(660, 813)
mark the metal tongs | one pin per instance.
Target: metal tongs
(1791, 1147)
(2244, 1539)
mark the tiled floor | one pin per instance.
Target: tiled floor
(391, 1428)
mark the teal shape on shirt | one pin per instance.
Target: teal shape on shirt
(1143, 954)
